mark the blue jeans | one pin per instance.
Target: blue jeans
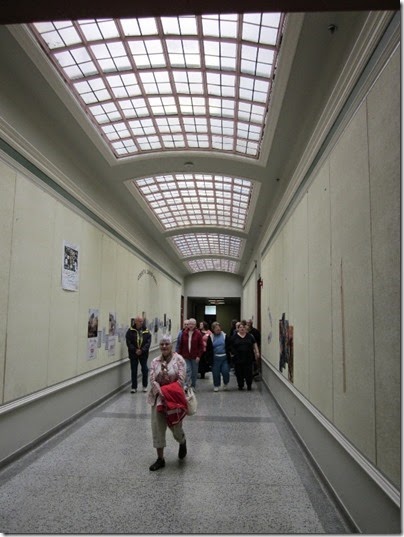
(220, 366)
(134, 363)
(192, 371)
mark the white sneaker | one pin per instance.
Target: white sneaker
(225, 386)
(145, 390)
(215, 389)
(133, 390)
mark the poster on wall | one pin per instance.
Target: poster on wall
(70, 266)
(112, 324)
(286, 346)
(111, 345)
(92, 333)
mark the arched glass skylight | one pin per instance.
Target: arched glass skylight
(192, 199)
(202, 244)
(170, 83)
(222, 265)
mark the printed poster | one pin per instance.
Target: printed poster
(111, 345)
(70, 266)
(92, 333)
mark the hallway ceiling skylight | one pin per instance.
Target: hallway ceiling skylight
(202, 244)
(208, 264)
(170, 83)
(192, 199)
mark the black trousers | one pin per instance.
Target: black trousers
(134, 363)
(244, 372)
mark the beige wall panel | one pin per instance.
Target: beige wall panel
(7, 188)
(90, 290)
(319, 288)
(248, 305)
(288, 302)
(108, 292)
(122, 275)
(267, 323)
(64, 307)
(384, 151)
(135, 267)
(353, 352)
(149, 292)
(276, 282)
(300, 320)
(29, 298)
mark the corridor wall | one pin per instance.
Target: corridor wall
(44, 343)
(249, 304)
(332, 269)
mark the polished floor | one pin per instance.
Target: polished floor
(245, 472)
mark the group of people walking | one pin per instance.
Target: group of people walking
(174, 371)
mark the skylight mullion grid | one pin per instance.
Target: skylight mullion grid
(111, 46)
(101, 74)
(212, 264)
(171, 75)
(182, 200)
(202, 244)
(125, 40)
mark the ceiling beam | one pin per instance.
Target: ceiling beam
(24, 11)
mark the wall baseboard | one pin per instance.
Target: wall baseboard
(368, 499)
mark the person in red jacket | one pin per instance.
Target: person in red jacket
(191, 349)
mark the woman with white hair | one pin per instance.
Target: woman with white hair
(167, 377)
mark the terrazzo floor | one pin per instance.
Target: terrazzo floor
(245, 472)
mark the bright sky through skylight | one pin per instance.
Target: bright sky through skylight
(170, 83)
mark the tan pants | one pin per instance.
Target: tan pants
(159, 427)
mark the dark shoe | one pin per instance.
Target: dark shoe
(182, 451)
(160, 463)
(249, 388)
(241, 387)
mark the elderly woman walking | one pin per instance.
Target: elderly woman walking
(218, 351)
(167, 400)
(244, 351)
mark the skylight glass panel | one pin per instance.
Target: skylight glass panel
(212, 264)
(209, 67)
(181, 200)
(202, 244)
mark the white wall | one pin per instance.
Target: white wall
(43, 328)
(213, 284)
(334, 270)
(249, 303)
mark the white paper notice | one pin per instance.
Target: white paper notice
(70, 266)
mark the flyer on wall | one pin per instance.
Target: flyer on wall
(92, 333)
(70, 266)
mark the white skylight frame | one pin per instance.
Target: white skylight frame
(212, 244)
(184, 200)
(170, 83)
(212, 264)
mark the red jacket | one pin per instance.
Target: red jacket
(196, 345)
(175, 404)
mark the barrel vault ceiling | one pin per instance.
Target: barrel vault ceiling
(193, 122)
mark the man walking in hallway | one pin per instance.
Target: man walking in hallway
(138, 340)
(191, 349)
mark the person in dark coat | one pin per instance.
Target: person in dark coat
(138, 340)
(244, 351)
(257, 335)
